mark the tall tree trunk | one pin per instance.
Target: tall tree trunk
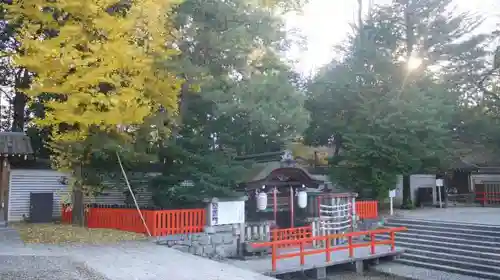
(78, 214)
(410, 42)
(407, 201)
(22, 81)
(360, 14)
(410, 29)
(18, 118)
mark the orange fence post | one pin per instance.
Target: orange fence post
(372, 243)
(393, 241)
(327, 249)
(302, 258)
(66, 214)
(351, 249)
(273, 256)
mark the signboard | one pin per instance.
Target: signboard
(439, 182)
(392, 193)
(227, 212)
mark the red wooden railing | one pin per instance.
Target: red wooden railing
(167, 222)
(291, 234)
(121, 219)
(367, 209)
(159, 222)
(488, 197)
(275, 245)
(66, 214)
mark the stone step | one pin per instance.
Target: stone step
(418, 231)
(444, 224)
(463, 246)
(451, 262)
(428, 237)
(470, 251)
(444, 229)
(462, 258)
(419, 273)
(460, 248)
(457, 270)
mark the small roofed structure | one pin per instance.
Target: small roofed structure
(278, 175)
(14, 146)
(281, 179)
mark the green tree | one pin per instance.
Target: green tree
(391, 103)
(239, 96)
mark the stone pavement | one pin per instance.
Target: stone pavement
(476, 215)
(125, 261)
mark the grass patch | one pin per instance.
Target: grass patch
(55, 233)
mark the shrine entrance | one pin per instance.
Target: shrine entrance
(281, 186)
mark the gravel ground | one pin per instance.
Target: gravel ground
(42, 268)
(132, 260)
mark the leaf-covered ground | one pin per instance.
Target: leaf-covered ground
(61, 234)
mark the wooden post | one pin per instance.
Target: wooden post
(273, 256)
(302, 257)
(372, 243)
(354, 217)
(292, 215)
(351, 249)
(275, 205)
(393, 237)
(327, 249)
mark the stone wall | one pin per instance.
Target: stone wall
(217, 242)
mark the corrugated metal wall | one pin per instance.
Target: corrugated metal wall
(24, 181)
(115, 195)
(116, 189)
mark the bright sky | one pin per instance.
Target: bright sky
(325, 23)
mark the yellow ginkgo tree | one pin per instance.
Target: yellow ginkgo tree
(98, 62)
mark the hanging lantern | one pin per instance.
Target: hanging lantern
(262, 201)
(302, 199)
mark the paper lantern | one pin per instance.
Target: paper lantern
(302, 199)
(262, 201)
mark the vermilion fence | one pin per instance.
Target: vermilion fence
(350, 247)
(367, 209)
(485, 198)
(291, 234)
(66, 214)
(168, 222)
(159, 222)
